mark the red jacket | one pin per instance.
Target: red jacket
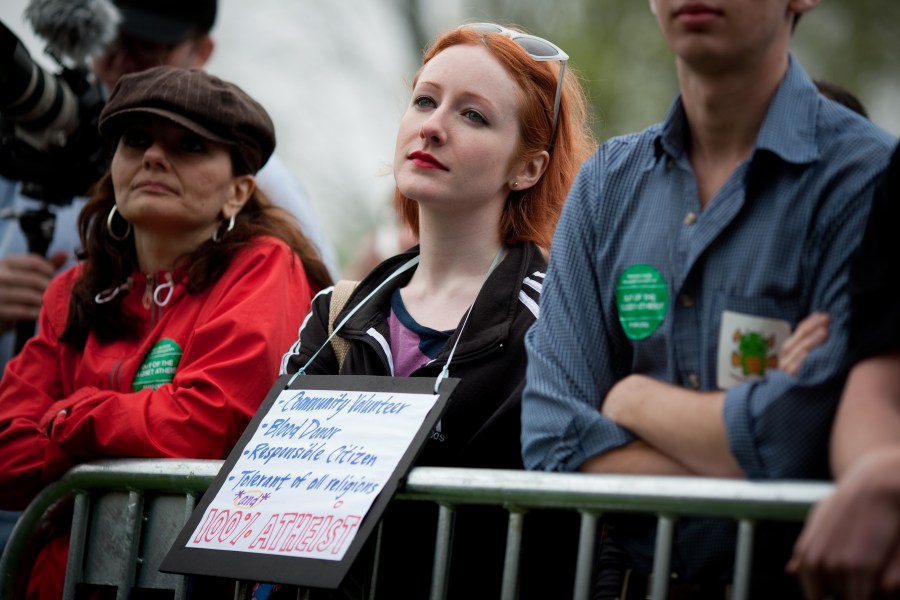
(60, 406)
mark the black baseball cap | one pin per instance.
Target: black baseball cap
(166, 21)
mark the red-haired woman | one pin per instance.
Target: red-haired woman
(488, 146)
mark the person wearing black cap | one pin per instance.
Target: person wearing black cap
(151, 33)
(157, 343)
(158, 32)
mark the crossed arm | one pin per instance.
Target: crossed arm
(681, 432)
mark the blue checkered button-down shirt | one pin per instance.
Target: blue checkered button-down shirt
(774, 242)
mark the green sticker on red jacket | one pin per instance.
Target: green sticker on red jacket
(158, 367)
(642, 298)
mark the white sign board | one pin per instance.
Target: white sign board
(305, 475)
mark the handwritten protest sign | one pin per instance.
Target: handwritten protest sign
(331, 450)
(309, 479)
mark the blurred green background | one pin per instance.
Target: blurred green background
(629, 72)
(334, 74)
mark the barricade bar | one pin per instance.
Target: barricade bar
(591, 495)
(682, 496)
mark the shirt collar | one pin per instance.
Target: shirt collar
(789, 129)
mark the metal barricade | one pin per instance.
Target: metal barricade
(126, 515)
(128, 512)
(593, 495)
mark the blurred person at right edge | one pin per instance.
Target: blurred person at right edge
(482, 163)
(850, 547)
(684, 255)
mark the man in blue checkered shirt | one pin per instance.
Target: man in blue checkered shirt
(685, 255)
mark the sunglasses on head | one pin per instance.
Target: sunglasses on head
(538, 49)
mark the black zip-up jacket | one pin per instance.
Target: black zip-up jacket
(480, 428)
(481, 424)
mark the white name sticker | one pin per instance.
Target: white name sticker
(748, 347)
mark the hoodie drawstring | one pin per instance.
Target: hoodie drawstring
(157, 294)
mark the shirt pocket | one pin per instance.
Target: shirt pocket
(746, 334)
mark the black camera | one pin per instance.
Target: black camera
(48, 126)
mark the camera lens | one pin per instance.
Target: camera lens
(42, 105)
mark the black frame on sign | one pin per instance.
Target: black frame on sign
(298, 570)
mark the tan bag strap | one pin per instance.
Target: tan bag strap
(339, 296)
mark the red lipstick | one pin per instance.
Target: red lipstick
(426, 161)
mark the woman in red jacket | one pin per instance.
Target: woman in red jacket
(165, 339)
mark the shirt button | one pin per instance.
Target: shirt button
(687, 301)
(694, 380)
(669, 164)
(690, 218)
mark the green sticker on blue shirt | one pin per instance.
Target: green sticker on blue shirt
(158, 367)
(642, 298)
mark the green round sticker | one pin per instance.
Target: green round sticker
(158, 367)
(642, 298)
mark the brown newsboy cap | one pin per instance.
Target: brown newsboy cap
(210, 107)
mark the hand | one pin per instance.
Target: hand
(850, 545)
(890, 579)
(23, 279)
(810, 333)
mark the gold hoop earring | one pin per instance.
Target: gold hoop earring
(109, 226)
(218, 238)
